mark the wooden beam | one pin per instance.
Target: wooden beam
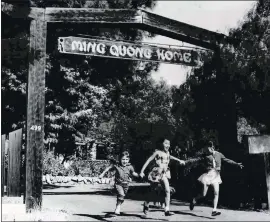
(175, 28)
(92, 15)
(14, 164)
(35, 114)
(17, 11)
(3, 146)
(148, 21)
(174, 35)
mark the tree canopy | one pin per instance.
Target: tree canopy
(112, 100)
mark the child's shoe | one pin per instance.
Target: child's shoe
(145, 210)
(215, 213)
(192, 204)
(168, 213)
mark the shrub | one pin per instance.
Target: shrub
(93, 168)
(52, 165)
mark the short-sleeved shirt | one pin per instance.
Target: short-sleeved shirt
(123, 173)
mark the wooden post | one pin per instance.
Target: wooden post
(14, 164)
(35, 113)
(267, 175)
(3, 148)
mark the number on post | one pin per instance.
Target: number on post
(35, 128)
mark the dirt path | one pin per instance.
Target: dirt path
(92, 203)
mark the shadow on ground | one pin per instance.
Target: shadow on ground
(99, 192)
(108, 217)
(192, 214)
(134, 193)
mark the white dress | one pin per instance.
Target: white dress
(211, 177)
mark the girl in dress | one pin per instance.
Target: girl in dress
(160, 173)
(211, 177)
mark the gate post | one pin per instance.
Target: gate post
(267, 176)
(3, 147)
(35, 112)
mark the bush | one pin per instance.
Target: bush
(52, 165)
(92, 168)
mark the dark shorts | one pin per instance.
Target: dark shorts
(121, 190)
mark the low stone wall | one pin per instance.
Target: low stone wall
(73, 180)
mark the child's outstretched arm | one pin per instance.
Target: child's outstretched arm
(105, 171)
(152, 157)
(193, 160)
(133, 173)
(231, 161)
(182, 162)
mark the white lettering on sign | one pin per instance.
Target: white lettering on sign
(131, 51)
(169, 55)
(114, 50)
(122, 50)
(178, 56)
(160, 54)
(77, 45)
(187, 57)
(147, 53)
(101, 48)
(91, 46)
(127, 50)
(139, 51)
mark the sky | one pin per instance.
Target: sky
(218, 16)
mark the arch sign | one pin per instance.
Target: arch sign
(127, 50)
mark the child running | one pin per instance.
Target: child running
(211, 177)
(123, 173)
(160, 173)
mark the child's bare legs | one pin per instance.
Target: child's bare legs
(204, 192)
(118, 206)
(165, 183)
(121, 193)
(199, 196)
(216, 195)
(147, 201)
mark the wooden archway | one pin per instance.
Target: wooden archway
(39, 18)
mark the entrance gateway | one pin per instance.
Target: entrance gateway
(141, 19)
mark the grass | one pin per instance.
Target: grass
(13, 209)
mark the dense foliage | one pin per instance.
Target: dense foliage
(112, 101)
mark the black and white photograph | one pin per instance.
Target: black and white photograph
(135, 110)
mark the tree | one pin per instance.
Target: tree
(211, 98)
(78, 88)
